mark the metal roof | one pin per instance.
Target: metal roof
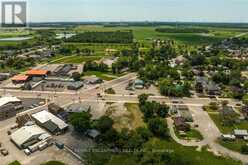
(20, 78)
(27, 133)
(8, 99)
(37, 72)
(45, 116)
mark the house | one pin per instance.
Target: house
(201, 83)
(93, 133)
(58, 111)
(9, 106)
(186, 115)
(77, 108)
(182, 111)
(20, 79)
(27, 136)
(50, 122)
(212, 89)
(62, 70)
(240, 133)
(227, 137)
(180, 124)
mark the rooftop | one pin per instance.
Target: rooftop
(37, 72)
(20, 78)
(45, 116)
(25, 133)
(8, 99)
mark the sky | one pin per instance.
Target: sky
(138, 10)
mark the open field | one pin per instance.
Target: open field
(74, 59)
(148, 34)
(192, 134)
(186, 153)
(233, 145)
(227, 129)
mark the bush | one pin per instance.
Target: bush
(244, 149)
(158, 127)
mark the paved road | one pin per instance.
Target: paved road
(206, 126)
(211, 133)
(180, 141)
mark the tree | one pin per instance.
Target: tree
(81, 121)
(143, 98)
(76, 76)
(244, 149)
(158, 127)
(104, 124)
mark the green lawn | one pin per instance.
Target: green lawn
(192, 135)
(74, 59)
(105, 76)
(233, 145)
(227, 129)
(186, 153)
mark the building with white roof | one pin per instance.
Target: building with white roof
(9, 106)
(50, 122)
(240, 133)
(28, 135)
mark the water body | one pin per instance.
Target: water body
(62, 35)
(15, 39)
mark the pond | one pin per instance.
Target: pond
(15, 39)
(62, 35)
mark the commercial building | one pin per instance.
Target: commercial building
(9, 106)
(50, 122)
(37, 73)
(240, 133)
(28, 135)
(20, 79)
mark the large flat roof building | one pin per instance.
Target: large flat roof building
(50, 122)
(37, 72)
(9, 106)
(28, 135)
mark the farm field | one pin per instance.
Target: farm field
(74, 59)
(148, 34)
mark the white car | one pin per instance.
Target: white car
(27, 152)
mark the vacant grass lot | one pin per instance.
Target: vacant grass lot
(74, 59)
(233, 145)
(105, 76)
(187, 153)
(192, 135)
(227, 129)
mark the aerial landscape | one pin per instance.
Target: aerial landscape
(145, 89)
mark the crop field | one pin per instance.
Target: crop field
(148, 34)
(8, 34)
(74, 59)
